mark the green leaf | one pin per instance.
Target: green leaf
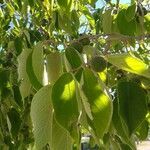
(100, 103)
(73, 58)
(142, 131)
(17, 95)
(38, 62)
(31, 3)
(129, 63)
(65, 23)
(75, 20)
(65, 102)
(54, 66)
(18, 45)
(130, 12)
(132, 104)
(120, 126)
(65, 4)
(4, 77)
(22, 74)
(41, 115)
(15, 122)
(107, 21)
(60, 138)
(32, 77)
(125, 27)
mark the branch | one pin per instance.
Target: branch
(113, 37)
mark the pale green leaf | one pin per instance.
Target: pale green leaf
(54, 66)
(60, 138)
(107, 21)
(129, 63)
(38, 61)
(32, 77)
(22, 74)
(41, 115)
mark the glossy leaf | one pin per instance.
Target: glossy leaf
(129, 63)
(65, 102)
(41, 115)
(100, 103)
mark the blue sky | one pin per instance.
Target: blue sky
(101, 3)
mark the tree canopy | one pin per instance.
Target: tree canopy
(74, 68)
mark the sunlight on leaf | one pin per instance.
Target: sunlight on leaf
(129, 63)
(69, 91)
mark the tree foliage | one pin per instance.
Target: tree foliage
(72, 68)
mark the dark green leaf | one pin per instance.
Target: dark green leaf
(15, 121)
(130, 12)
(132, 104)
(18, 45)
(73, 58)
(125, 27)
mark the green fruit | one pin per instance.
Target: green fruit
(78, 46)
(98, 63)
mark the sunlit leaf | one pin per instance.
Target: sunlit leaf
(65, 102)
(100, 103)
(129, 63)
